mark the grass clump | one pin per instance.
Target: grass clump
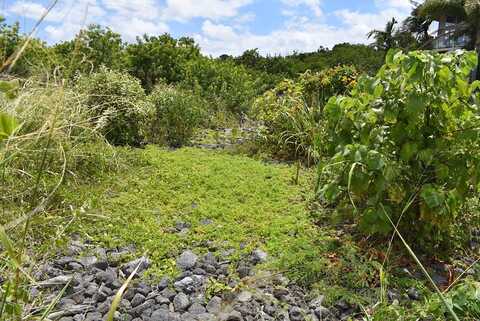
(175, 116)
(117, 103)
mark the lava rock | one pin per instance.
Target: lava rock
(106, 277)
(164, 282)
(143, 263)
(187, 260)
(231, 316)
(322, 312)
(186, 285)
(148, 304)
(168, 293)
(196, 309)
(206, 221)
(296, 314)
(214, 305)
(413, 294)
(259, 256)
(88, 261)
(181, 302)
(93, 316)
(243, 271)
(58, 281)
(137, 300)
(244, 297)
(210, 258)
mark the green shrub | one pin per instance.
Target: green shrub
(226, 86)
(292, 112)
(117, 102)
(175, 116)
(406, 144)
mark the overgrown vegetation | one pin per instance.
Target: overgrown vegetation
(291, 113)
(405, 146)
(396, 150)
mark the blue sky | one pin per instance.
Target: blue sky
(219, 26)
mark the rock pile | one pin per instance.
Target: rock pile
(91, 283)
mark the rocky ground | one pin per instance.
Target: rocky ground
(225, 138)
(209, 287)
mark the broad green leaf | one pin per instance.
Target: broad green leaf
(330, 192)
(389, 57)
(378, 90)
(444, 74)
(9, 88)
(431, 196)
(375, 161)
(463, 86)
(374, 221)
(415, 105)
(442, 171)
(426, 155)
(358, 156)
(8, 124)
(408, 150)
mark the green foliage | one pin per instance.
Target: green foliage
(117, 105)
(155, 59)
(8, 124)
(92, 48)
(34, 59)
(175, 116)
(292, 112)
(363, 58)
(226, 86)
(158, 187)
(463, 298)
(407, 135)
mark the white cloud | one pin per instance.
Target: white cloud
(130, 18)
(218, 39)
(209, 9)
(130, 28)
(401, 4)
(313, 5)
(226, 24)
(300, 33)
(65, 10)
(142, 9)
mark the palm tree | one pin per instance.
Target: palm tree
(467, 13)
(384, 39)
(418, 25)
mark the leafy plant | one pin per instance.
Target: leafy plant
(227, 87)
(175, 115)
(292, 112)
(117, 103)
(409, 133)
(8, 124)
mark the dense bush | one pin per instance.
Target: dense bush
(117, 104)
(91, 49)
(175, 115)
(292, 112)
(160, 58)
(406, 144)
(226, 86)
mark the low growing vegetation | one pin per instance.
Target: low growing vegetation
(96, 141)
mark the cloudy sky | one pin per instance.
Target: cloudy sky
(219, 26)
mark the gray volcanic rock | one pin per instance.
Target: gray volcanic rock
(181, 302)
(96, 281)
(187, 260)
